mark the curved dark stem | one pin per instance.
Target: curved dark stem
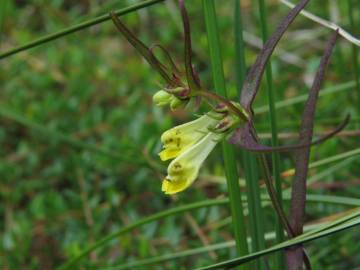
(141, 48)
(287, 148)
(173, 67)
(276, 204)
(299, 190)
(190, 74)
(253, 79)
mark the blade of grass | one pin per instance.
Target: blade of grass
(253, 192)
(171, 256)
(279, 259)
(177, 210)
(301, 98)
(342, 156)
(181, 209)
(228, 151)
(348, 222)
(213, 247)
(77, 27)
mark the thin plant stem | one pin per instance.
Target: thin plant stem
(77, 27)
(279, 259)
(253, 192)
(231, 171)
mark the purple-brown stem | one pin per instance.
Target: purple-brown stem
(295, 256)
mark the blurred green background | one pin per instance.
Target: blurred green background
(79, 135)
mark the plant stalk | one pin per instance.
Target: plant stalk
(249, 160)
(279, 259)
(231, 171)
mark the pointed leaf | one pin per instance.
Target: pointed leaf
(306, 133)
(142, 49)
(193, 80)
(253, 79)
(298, 192)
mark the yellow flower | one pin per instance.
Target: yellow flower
(180, 138)
(190, 144)
(183, 170)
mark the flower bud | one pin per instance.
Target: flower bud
(162, 98)
(177, 103)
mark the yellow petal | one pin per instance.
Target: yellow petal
(183, 170)
(168, 154)
(180, 138)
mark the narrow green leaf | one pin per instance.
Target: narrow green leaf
(208, 203)
(77, 27)
(301, 98)
(200, 250)
(279, 259)
(347, 222)
(102, 242)
(228, 151)
(249, 160)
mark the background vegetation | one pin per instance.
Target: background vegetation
(79, 134)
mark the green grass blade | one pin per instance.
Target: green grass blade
(347, 222)
(338, 157)
(228, 151)
(314, 198)
(181, 209)
(77, 27)
(301, 98)
(172, 256)
(279, 259)
(253, 191)
(208, 203)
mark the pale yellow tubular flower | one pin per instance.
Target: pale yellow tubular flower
(183, 170)
(180, 138)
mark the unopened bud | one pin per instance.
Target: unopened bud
(177, 103)
(162, 98)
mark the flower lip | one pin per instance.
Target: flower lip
(183, 170)
(180, 138)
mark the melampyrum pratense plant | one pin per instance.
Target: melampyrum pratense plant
(189, 144)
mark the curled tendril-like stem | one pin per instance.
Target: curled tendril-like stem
(247, 139)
